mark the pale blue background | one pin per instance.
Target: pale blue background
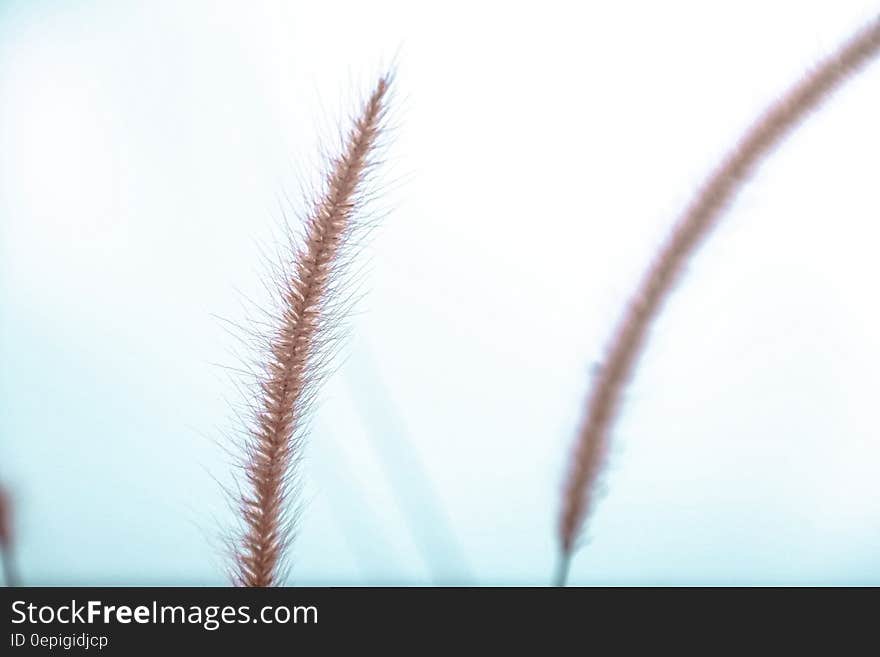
(543, 149)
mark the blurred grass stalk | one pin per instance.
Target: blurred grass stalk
(410, 482)
(713, 198)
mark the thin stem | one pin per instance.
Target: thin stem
(10, 574)
(562, 568)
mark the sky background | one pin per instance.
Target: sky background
(148, 152)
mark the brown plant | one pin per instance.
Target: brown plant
(297, 350)
(698, 219)
(6, 538)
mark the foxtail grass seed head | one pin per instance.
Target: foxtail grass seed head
(297, 349)
(713, 197)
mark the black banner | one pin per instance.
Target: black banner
(129, 621)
